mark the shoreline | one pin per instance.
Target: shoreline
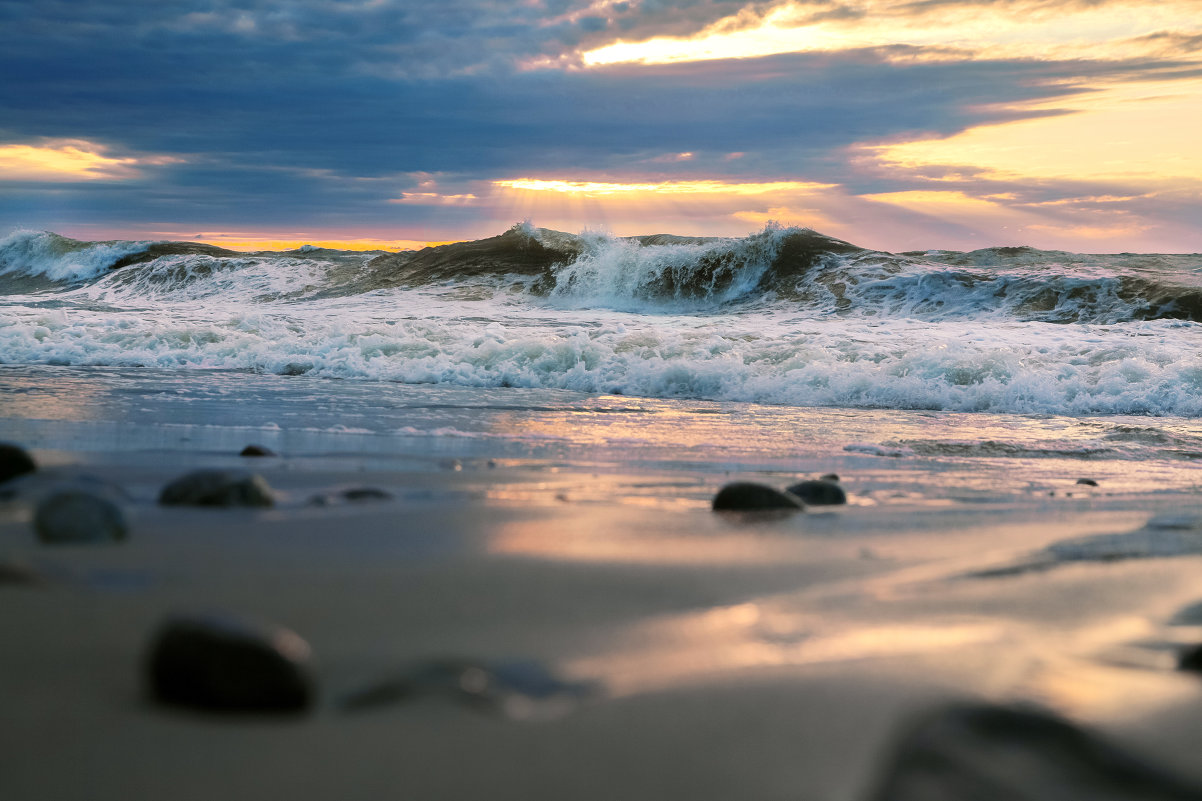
(731, 657)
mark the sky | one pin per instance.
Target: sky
(892, 124)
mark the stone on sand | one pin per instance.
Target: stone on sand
(747, 496)
(819, 492)
(79, 515)
(14, 461)
(218, 488)
(221, 663)
(982, 751)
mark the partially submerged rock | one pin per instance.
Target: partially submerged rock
(79, 515)
(257, 450)
(819, 492)
(220, 663)
(982, 751)
(1191, 659)
(350, 495)
(747, 496)
(218, 488)
(19, 573)
(519, 689)
(14, 461)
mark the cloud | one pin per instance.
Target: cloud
(406, 114)
(54, 161)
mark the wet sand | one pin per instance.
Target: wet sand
(728, 656)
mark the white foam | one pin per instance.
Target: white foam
(41, 253)
(768, 356)
(623, 274)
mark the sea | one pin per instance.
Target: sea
(785, 350)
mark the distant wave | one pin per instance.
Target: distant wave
(813, 273)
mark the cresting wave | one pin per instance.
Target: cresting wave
(784, 316)
(811, 272)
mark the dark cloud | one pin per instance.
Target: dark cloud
(283, 112)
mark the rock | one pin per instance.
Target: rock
(14, 461)
(982, 751)
(225, 664)
(217, 488)
(18, 573)
(746, 496)
(819, 493)
(517, 689)
(257, 450)
(829, 476)
(1191, 659)
(1089, 482)
(350, 495)
(78, 516)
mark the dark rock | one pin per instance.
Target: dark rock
(217, 488)
(14, 461)
(79, 515)
(225, 664)
(518, 689)
(829, 476)
(350, 495)
(295, 368)
(1191, 659)
(257, 450)
(746, 496)
(1089, 482)
(17, 573)
(819, 493)
(996, 753)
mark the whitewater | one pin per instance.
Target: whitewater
(785, 316)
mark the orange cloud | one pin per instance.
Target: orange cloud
(69, 160)
(1022, 29)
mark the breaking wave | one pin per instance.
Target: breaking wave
(786, 316)
(801, 268)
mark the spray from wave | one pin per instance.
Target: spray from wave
(785, 315)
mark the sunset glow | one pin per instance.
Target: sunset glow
(892, 124)
(1140, 135)
(64, 161)
(1013, 30)
(595, 188)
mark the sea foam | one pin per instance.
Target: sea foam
(785, 316)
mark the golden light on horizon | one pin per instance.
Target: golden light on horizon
(251, 243)
(712, 187)
(1015, 30)
(700, 207)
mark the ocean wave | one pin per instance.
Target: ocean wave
(27, 256)
(792, 268)
(1142, 368)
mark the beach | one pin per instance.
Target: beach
(708, 655)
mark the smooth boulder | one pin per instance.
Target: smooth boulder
(257, 450)
(819, 492)
(747, 496)
(1191, 659)
(78, 516)
(218, 488)
(14, 461)
(980, 751)
(350, 495)
(220, 663)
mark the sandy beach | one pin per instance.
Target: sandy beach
(724, 656)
